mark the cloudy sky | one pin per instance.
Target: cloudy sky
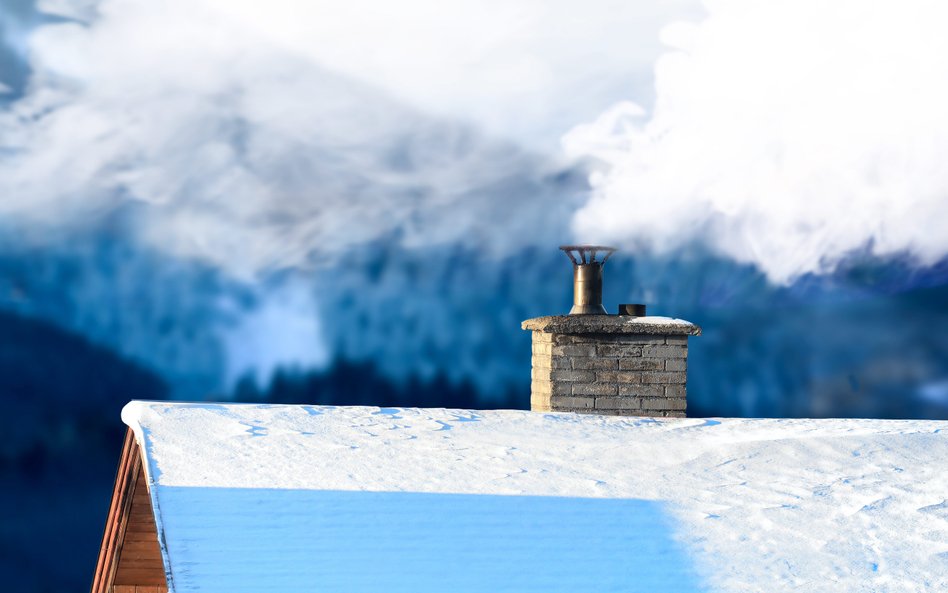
(257, 136)
(788, 135)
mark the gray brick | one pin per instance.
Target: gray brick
(546, 349)
(588, 350)
(574, 376)
(561, 388)
(641, 339)
(642, 390)
(641, 364)
(663, 403)
(542, 338)
(664, 377)
(564, 339)
(609, 402)
(559, 402)
(539, 402)
(595, 364)
(621, 350)
(619, 376)
(563, 362)
(540, 361)
(665, 351)
(541, 387)
(655, 404)
(540, 374)
(675, 391)
(676, 340)
(676, 364)
(595, 389)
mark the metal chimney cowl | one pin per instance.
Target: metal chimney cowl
(587, 277)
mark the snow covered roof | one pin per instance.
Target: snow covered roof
(290, 498)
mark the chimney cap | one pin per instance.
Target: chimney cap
(611, 324)
(582, 251)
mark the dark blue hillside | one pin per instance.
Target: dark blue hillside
(60, 390)
(60, 439)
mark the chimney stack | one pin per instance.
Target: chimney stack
(591, 362)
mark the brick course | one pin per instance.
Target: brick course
(608, 365)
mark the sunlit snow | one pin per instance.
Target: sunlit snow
(281, 498)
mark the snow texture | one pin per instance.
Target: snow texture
(281, 498)
(658, 320)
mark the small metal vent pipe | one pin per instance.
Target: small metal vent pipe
(587, 277)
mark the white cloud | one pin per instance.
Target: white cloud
(526, 69)
(268, 135)
(787, 134)
(241, 152)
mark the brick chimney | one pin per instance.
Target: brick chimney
(623, 365)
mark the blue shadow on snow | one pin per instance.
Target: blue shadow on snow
(231, 539)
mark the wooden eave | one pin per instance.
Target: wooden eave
(130, 558)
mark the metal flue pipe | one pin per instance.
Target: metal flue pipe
(587, 277)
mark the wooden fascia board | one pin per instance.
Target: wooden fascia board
(126, 478)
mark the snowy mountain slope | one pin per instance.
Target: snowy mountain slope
(706, 505)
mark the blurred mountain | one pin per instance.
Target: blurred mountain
(837, 346)
(148, 308)
(56, 387)
(61, 397)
